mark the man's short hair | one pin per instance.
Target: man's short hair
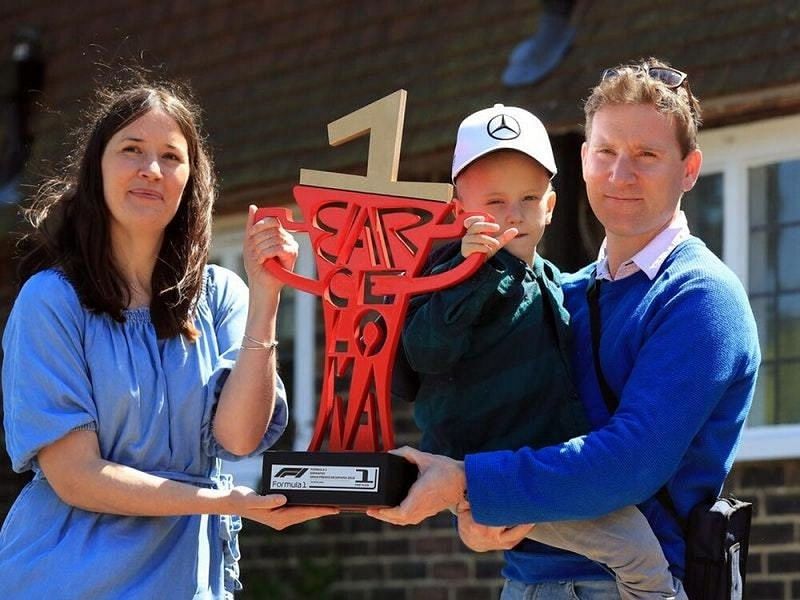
(631, 83)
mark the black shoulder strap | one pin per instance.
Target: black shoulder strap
(593, 299)
(554, 309)
(609, 397)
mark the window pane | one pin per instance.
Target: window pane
(703, 208)
(759, 199)
(762, 263)
(773, 194)
(774, 276)
(787, 186)
(763, 410)
(764, 312)
(788, 263)
(789, 319)
(789, 392)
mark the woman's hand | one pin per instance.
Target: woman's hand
(270, 510)
(265, 239)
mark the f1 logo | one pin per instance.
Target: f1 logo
(295, 472)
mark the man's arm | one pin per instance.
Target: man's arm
(681, 409)
(627, 461)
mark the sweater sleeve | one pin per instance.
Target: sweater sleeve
(438, 328)
(682, 409)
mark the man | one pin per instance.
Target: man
(678, 350)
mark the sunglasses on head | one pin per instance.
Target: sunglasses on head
(672, 78)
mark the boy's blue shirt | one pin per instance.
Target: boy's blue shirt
(681, 352)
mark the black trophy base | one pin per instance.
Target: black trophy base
(348, 480)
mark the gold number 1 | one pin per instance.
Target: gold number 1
(383, 121)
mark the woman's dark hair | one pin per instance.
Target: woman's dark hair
(70, 217)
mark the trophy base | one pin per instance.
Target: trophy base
(347, 480)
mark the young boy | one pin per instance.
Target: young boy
(491, 353)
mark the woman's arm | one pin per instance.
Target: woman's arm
(247, 400)
(83, 479)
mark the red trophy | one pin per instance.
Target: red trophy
(370, 236)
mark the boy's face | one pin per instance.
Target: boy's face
(515, 190)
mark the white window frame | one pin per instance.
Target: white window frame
(226, 240)
(731, 151)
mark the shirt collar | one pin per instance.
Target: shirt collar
(650, 258)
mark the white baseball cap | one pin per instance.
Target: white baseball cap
(502, 128)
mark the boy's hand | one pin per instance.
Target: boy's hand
(481, 236)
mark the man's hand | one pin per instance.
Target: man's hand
(440, 485)
(483, 538)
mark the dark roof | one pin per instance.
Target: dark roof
(271, 75)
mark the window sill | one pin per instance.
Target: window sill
(770, 442)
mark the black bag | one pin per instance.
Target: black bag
(717, 544)
(717, 533)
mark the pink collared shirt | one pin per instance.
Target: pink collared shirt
(650, 258)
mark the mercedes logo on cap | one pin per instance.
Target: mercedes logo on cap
(503, 127)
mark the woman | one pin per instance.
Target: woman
(131, 368)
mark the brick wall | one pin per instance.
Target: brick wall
(357, 558)
(774, 563)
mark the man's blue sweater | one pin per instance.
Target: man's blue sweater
(681, 353)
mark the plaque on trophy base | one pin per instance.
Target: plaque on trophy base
(349, 480)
